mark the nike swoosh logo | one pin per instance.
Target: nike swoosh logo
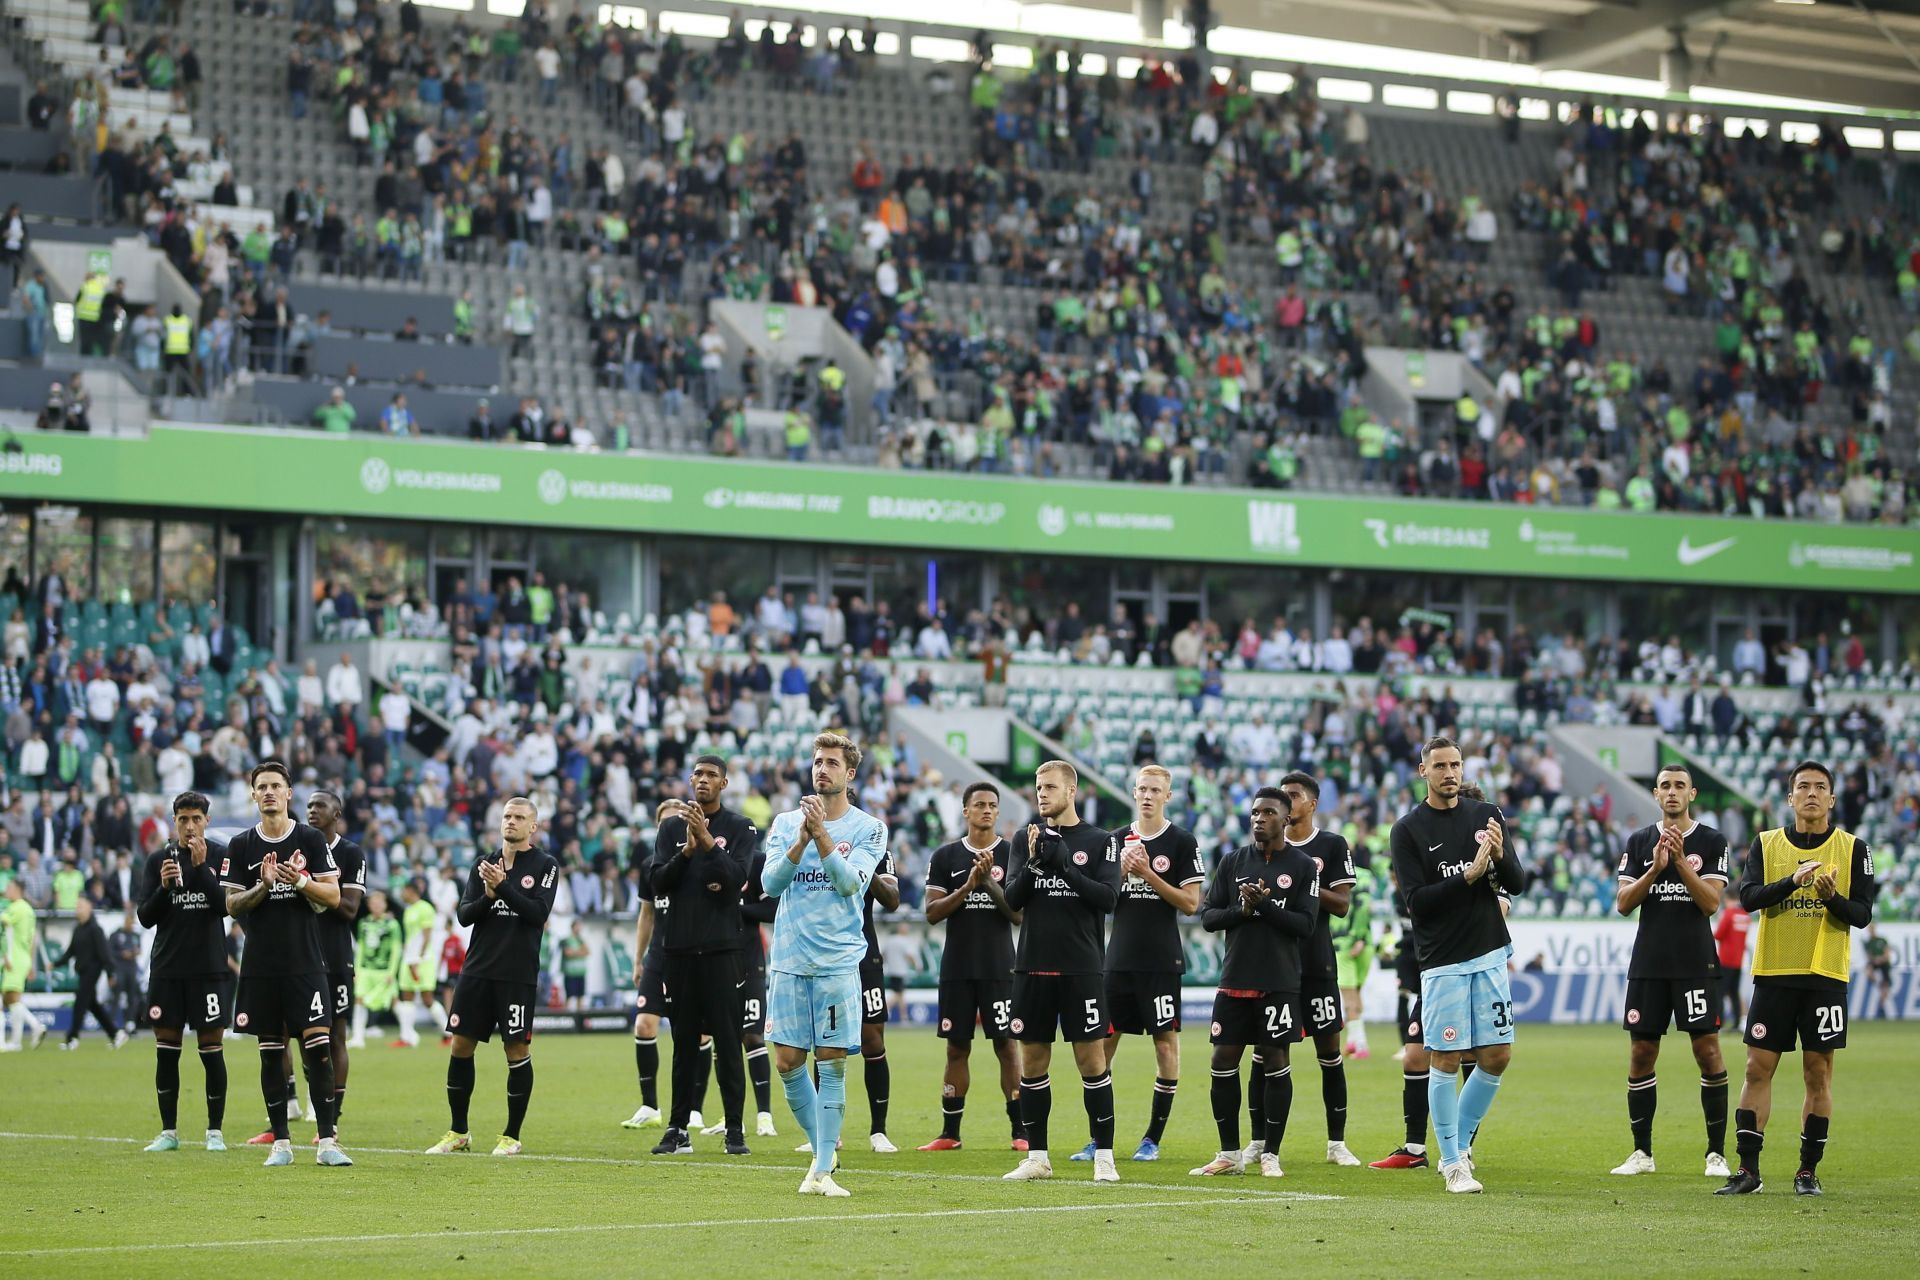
(1688, 554)
(1432, 847)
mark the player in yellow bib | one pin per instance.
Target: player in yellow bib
(1808, 885)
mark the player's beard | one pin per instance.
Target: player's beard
(826, 791)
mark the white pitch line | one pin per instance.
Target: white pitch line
(670, 1162)
(814, 1219)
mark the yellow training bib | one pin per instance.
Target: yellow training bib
(1799, 936)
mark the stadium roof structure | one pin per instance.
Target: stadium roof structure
(1858, 52)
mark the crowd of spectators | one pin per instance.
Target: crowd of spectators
(1149, 344)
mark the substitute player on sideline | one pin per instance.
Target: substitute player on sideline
(1674, 872)
(1353, 950)
(188, 984)
(419, 963)
(820, 859)
(1065, 877)
(965, 880)
(508, 897)
(336, 932)
(1809, 886)
(1449, 853)
(1161, 879)
(277, 875)
(1319, 979)
(1265, 896)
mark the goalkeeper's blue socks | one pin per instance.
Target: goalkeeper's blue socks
(1476, 1098)
(803, 1099)
(832, 1112)
(1443, 1099)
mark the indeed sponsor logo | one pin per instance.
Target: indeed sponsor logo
(813, 876)
(936, 510)
(1454, 868)
(190, 898)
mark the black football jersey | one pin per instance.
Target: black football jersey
(1675, 938)
(1333, 861)
(283, 933)
(188, 919)
(979, 941)
(1146, 927)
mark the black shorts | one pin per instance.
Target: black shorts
(1073, 1002)
(340, 986)
(190, 1002)
(1270, 1018)
(1692, 1004)
(1142, 1004)
(574, 984)
(1409, 1018)
(963, 1001)
(482, 1006)
(753, 1001)
(274, 1007)
(652, 991)
(1320, 1001)
(873, 993)
(1778, 1016)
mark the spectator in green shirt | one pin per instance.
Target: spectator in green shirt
(68, 884)
(335, 413)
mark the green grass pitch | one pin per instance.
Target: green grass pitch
(81, 1198)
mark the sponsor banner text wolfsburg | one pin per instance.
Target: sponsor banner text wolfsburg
(370, 475)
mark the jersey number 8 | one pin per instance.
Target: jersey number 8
(213, 1006)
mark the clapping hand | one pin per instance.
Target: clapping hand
(814, 819)
(491, 874)
(269, 869)
(1496, 841)
(1033, 845)
(982, 870)
(699, 839)
(1252, 893)
(1662, 852)
(286, 873)
(1824, 885)
(1807, 870)
(1134, 863)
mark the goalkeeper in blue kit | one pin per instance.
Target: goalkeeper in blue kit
(819, 860)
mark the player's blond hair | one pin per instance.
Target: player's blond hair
(1060, 766)
(849, 750)
(1154, 771)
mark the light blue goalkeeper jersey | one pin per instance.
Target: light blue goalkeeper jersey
(819, 928)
